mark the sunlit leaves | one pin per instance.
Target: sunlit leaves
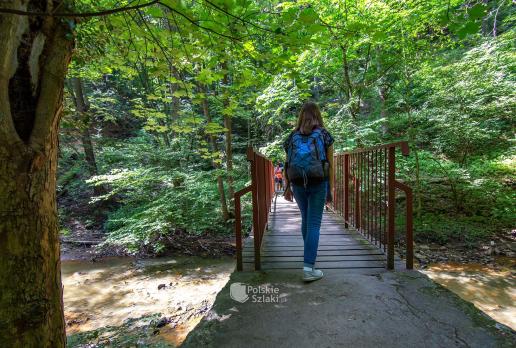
(207, 76)
(214, 128)
(180, 93)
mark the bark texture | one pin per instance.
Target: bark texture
(33, 61)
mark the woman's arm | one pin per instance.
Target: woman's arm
(288, 193)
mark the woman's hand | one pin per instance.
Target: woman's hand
(329, 197)
(288, 194)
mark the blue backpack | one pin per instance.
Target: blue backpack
(306, 157)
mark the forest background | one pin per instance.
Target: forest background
(161, 103)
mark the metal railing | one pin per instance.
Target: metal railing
(262, 188)
(365, 195)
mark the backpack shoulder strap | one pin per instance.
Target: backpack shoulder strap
(317, 134)
(290, 144)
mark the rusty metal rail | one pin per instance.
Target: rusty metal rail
(365, 195)
(262, 188)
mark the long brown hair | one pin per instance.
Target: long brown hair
(309, 118)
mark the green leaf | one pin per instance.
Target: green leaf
(478, 11)
(469, 28)
(214, 128)
(180, 93)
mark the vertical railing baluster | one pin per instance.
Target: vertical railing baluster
(391, 208)
(352, 190)
(368, 169)
(385, 200)
(378, 202)
(362, 191)
(373, 193)
(355, 194)
(379, 194)
(337, 183)
(365, 196)
(346, 190)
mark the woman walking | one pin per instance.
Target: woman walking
(309, 178)
(278, 177)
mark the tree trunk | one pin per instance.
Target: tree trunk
(228, 126)
(88, 151)
(33, 61)
(229, 155)
(214, 148)
(349, 92)
(82, 107)
(382, 94)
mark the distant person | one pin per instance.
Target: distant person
(278, 177)
(309, 178)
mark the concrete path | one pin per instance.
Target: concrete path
(390, 309)
(347, 308)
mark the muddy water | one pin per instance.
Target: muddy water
(109, 291)
(491, 290)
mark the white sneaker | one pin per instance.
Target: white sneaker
(313, 274)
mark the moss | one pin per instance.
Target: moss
(137, 332)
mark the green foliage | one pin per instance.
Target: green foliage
(156, 196)
(167, 84)
(443, 229)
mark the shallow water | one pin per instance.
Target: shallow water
(492, 291)
(111, 290)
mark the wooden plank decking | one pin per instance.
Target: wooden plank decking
(339, 248)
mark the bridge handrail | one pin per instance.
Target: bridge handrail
(364, 194)
(262, 188)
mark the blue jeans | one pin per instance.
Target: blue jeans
(310, 201)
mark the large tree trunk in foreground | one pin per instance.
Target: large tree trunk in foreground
(33, 60)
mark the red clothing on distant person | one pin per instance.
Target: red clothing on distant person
(278, 172)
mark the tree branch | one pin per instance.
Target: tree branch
(197, 24)
(83, 14)
(243, 20)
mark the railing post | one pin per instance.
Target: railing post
(238, 225)
(335, 202)
(251, 156)
(238, 232)
(263, 197)
(409, 258)
(391, 204)
(367, 177)
(346, 190)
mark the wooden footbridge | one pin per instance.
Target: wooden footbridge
(358, 230)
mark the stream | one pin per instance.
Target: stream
(121, 301)
(491, 290)
(118, 301)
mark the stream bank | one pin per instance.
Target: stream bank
(122, 301)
